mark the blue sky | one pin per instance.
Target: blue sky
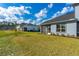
(35, 13)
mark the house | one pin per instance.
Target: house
(28, 27)
(31, 27)
(67, 24)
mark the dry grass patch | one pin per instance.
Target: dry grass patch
(36, 44)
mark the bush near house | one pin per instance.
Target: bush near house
(16, 43)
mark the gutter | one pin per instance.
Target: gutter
(60, 21)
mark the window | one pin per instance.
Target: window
(60, 28)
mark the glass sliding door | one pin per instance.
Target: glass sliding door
(48, 29)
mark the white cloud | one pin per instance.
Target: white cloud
(29, 7)
(28, 20)
(17, 10)
(50, 5)
(67, 9)
(9, 13)
(12, 10)
(71, 9)
(67, 4)
(63, 11)
(2, 10)
(33, 22)
(20, 21)
(42, 13)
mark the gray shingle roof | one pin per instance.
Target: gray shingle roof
(75, 4)
(65, 17)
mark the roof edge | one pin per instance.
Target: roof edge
(75, 4)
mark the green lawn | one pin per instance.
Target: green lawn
(36, 44)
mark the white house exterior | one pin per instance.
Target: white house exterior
(30, 27)
(27, 27)
(67, 24)
(70, 29)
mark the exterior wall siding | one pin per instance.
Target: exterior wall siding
(71, 29)
(31, 27)
(53, 29)
(77, 12)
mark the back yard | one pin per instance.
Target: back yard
(36, 44)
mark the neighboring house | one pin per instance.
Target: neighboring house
(28, 27)
(31, 27)
(67, 24)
